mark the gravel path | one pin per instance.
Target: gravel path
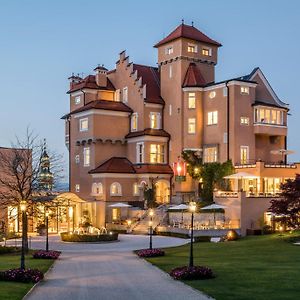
(109, 272)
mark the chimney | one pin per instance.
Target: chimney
(73, 79)
(101, 76)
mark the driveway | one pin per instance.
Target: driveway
(109, 272)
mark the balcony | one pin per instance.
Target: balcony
(270, 129)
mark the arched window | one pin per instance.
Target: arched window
(97, 188)
(116, 189)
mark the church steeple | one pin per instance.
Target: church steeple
(45, 175)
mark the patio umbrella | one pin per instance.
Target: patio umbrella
(119, 205)
(213, 207)
(241, 175)
(181, 207)
(282, 152)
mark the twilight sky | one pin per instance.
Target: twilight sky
(43, 42)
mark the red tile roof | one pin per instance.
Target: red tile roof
(153, 168)
(148, 131)
(90, 83)
(104, 104)
(189, 32)
(150, 77)
(193, 77)
(115, 165)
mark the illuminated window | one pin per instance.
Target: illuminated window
(244, 121)
(206, 51)
(86, 156)
(212, 94)
(192, 100)
(139, 152)
(134, 122)
(77, 100)
(212, 118)
(125, 94)
(192, 48)
(244, 90)
(97, 188)
(169, 50)
(244, 152)
(191, 125)
(84, 124)
(77, 159)
(136, 190)
(77, 188)
(210, 154)
(116, 214)
(157, 153)
(155, 120)
(117, 95)
(116, 189)
(268, 116)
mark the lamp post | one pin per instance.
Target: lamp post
(151, 213)
(192, 208)
(23, 207)
(128, 225)
(47, 231)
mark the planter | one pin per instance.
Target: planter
(88, 238)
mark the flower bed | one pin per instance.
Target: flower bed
(90, 238)
(150, 252)
(19, 275)
(43, 254)
(192, 273)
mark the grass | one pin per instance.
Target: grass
(256, 267)
(16, 290)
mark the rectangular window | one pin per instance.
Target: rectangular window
(212, 118)
(134, 122)
(206, 51)
(136, 191)
(77, 100)
(244, 121)
(140, 153)
(125, 94)
(77, 188)
(84, 124)
(268, 116)
(192, 100)
(170, 71)
(191, 125)
(225, 91)
(86, 156)
(169, 50)
(117, 95)
(192, 48)
(244, 90)
(157, 153)
(170, 110)
(210, 154)
(155, 120)
(244, 151)
(77, 159)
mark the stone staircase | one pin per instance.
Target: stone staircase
(142, 227)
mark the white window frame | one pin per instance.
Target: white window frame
(77, 159)
(97, 188)
(224, 91)
(134, 116)
(135, 189)
(158, 119)
(245, 90)
(191, 100)
(192, 46)
(245, 121)
(212, 157)
(159, 156)
(169, 50)
(212, 118)
(119, 189)
(77, 100)
(247, 154)
(170, 110)
(86, 157)
(208, 50)
(170, 71)
(81, 121)
(192, 122)
(77, 187)
(125, 94)
(140, 155)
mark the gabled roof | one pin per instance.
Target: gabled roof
(150, 77)
(90, 83)
(148, 131)
(115, 165)
(193, 77)
(189, 32)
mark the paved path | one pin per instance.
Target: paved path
(109, 272)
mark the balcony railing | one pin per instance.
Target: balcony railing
(251, 163)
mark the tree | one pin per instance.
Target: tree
(150, 193)
(288, 205)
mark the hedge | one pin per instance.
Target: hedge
(68, 237)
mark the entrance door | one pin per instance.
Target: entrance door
(162, 192)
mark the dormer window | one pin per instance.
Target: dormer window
(169, 50)
(192, 48)
(244, 90)
(206, 51)
(77, 100)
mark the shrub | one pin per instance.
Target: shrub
(232, 235)
(19, 275)
(5, 250)
(267, 229)
(43, 254)
(202, 238)
(68, 237)
(173, 234)
(150, 252)
(192, 273)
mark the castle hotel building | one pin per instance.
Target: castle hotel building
(127, 126)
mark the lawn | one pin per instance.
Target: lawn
(257, 267)
(15, 290)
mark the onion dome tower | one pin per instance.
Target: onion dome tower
(45, 175)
